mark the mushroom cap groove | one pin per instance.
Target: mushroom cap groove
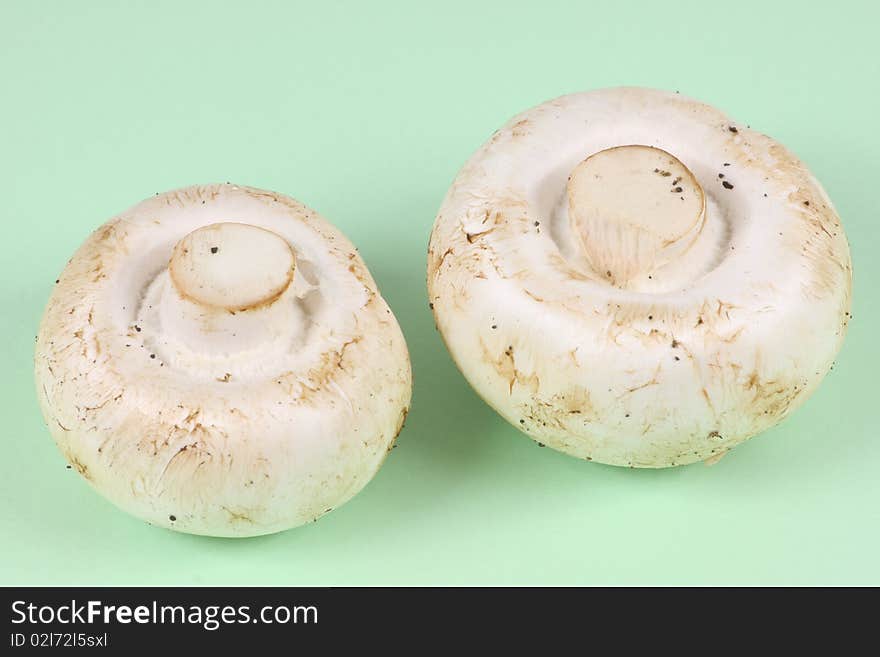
(632, 310)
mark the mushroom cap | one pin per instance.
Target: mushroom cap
(698, 334)
(242, 389)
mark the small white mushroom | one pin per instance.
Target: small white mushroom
(218, 360)
(628, 276)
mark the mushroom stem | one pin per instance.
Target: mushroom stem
(225, 282)
(634, 210)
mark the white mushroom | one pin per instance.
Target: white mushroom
(218, 360)
(630, 277)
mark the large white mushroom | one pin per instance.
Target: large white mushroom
(217, 360)
(631, 277)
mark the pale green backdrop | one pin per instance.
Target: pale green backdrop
(365, 111)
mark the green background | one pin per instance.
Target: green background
(365, 111)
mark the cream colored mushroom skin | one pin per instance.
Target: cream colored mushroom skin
(596, 317)
(218, 360)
